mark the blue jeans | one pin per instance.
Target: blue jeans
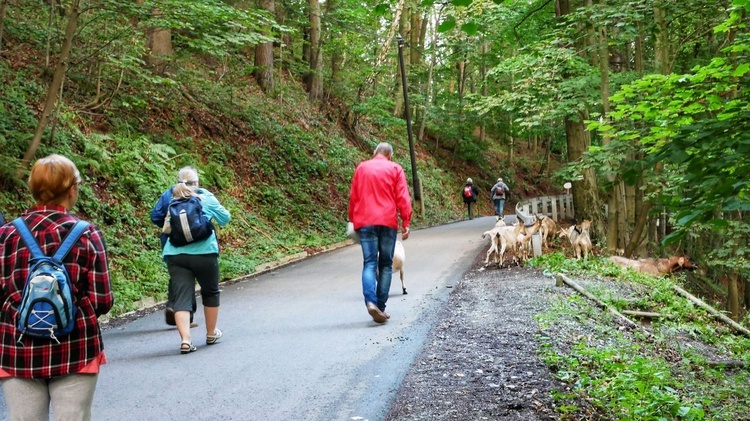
(499, 205)
(377, 243)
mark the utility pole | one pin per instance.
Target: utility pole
(407, 116)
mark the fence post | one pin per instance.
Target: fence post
(554, 203)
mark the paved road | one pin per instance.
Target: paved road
(298, 342)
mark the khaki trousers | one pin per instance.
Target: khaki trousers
(71, 397)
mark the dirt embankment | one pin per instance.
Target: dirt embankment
(481, 362)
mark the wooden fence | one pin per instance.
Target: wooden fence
(556, 207)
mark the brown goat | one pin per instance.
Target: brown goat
(583, 244)
(579, 237)
(547, 229)
(656, 267)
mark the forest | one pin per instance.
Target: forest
(642, 104)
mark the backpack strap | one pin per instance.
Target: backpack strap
(73, 235)
(28, 238)
(36, 252)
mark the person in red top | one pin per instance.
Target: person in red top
(379, 194)
(36, 372)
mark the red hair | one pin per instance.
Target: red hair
(51, 177)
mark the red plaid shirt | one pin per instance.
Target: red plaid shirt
(87, 266)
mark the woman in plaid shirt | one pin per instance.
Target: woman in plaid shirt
(36, 372)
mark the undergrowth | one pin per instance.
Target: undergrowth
(283, 174)
(680, 365)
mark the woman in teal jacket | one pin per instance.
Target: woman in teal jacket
(199, 261)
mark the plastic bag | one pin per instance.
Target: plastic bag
(351, 233)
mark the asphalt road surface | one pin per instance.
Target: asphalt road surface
(298, 342)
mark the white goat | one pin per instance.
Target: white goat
(523, 238)
(494, 243)
(502, 239)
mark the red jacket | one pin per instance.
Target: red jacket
(379, 194)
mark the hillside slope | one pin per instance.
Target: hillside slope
(280, 165)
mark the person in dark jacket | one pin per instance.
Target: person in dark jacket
(469, 193)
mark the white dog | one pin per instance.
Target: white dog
(399, 256)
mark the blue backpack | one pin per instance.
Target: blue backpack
(47, 306)
(187, 221)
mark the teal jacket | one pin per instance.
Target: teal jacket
(213, 210)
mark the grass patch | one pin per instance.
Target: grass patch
(628, 375)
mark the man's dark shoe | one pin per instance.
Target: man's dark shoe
(376, 314)
(169, 316)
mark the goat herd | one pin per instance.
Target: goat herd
(516, 240)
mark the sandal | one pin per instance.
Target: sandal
(187, 347)
(211, 339)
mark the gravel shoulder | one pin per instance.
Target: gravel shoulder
(480, 361)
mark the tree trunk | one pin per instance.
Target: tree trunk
(638, 57)
(286, 38)
(511, 139)
(585, 192)
(613, 200)
(159, 45)
(461, 79)
(622, 216)
(3, 8)
(423, 35)
(643, 217)
(337, 56)
(428, 91)
(306, 50)
(733, 297)
(661, 51)
(414, 35)
(263, 72)
(52, 92)
(547, 156)
(403, 31)
(483, 76)
(315, 86)
(50, 26)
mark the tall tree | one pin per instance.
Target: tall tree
(585, 190)
(3, 8)
(263, 72)
(315, 77)
(159, 45)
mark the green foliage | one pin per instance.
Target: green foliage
(696, 124)
(208, 26)
(379, 109)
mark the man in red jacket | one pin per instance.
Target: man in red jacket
(379, 195)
